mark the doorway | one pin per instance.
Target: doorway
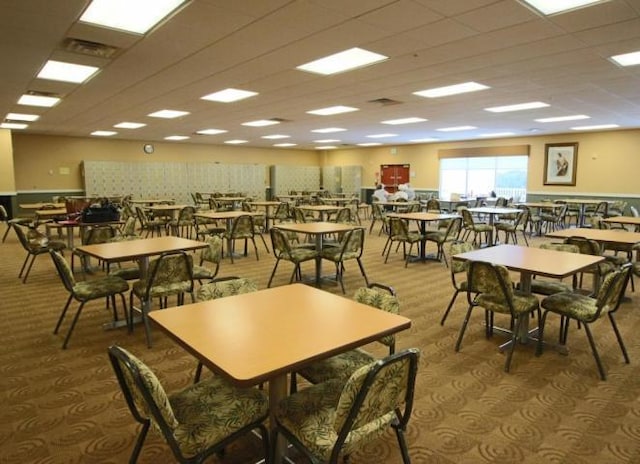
(392, 175)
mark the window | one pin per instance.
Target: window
(480, 175)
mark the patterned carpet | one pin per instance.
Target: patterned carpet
(64, 406)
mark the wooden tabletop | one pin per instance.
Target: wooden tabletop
(132, 249)
(494, 210)
(538, 261)
(423, 216)
(253, 337)
(315, 227)
(586, 201)
(41, 205)
(618, 236)
(320, 207)
(225, 214)
(540, 204)
(166, 207)
(265, 203)
(629, 220)
(51, 212)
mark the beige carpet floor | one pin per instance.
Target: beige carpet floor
(64, 406)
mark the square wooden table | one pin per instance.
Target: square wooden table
(625, 221)
(530, 261)
(324, 210)
(262, 336)
(612, 236)
(318, 230)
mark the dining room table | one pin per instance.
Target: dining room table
(267, 206)
(423, 219)
(228, 217)
(633, 221)
(317, 230)
(529, 262)
(324, 211)
(42, 205)
(139, 250)
(604, 236)
(152, 201)
(582, 204)
(262, 336)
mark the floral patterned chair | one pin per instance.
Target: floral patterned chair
(283, 250)
(586, 310)
(242, 228)
(457, 267)
(85, 291)
(335, 419)
(399, 233)
(211, 254)
(349, 248)
(344, 364)
(35, 243)
(196, 422)
(443, 236)
(489, 286)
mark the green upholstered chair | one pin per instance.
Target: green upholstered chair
(220, 288)
(341, 366)
(284, 251)
(478, 229)
(349, 248)
(4, 217)
(151, 226)
(457, 268)
(586, 310)
(599, 270)
(85, 291)
(489, 286)
(127, 232)
(197, 421)
(171, 274)
(550, 286)
(520, 224)
(433, 205)
(378, 214)
(399, 233)
(443, 236)
(100, 233)
(211, 254)
(335, 419)
(185, 224)
(35, 243)
(242, 228)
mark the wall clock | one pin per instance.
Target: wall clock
(148, 148)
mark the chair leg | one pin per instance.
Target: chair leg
(140, 441)
(446, 312)
(364, 274)
(62, 315)
(33, 259)
(6, 232)
(73, 324)
(273, 272)
(603, 376)
(198, 373)
(619, 337)
(463, 328)
(404, 450)
(514, 341)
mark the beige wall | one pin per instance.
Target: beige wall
(7, 179)
(54, 163)
(608, 162)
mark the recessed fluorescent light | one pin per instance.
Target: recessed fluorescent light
(129, 125)
(426, 139)
(275, 136)
(176, 137)
(136, 16)
(22, 117)
(211, 131)
(627, 59)
(381, 136)
(346, 60)
(284, 144)
(328, 130)
(168, 114)
(369, 144)
(332, 110)
(456, 128)
(326, 141)
(394, 122)
(13, 125)
(549, 7)
(229, 95)
(38, 100)
(517, 107)
(66, 72)
(261, 123)
(235, 141)
(574, 117)
(498, 134)
(451, 90)
(103, 133)
(326, 147)
(596, 127)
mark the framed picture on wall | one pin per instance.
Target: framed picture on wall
(560, 163)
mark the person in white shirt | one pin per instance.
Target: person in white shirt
(411, 194)
(380, 193)
(401, 194)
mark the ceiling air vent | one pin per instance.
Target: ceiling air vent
(86, 47)
(279, 120)
(385, 101)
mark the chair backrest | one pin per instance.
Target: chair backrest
(612, 290)
(279, 242)
(4, 216)
(64, 270)
(225, 286)
(298, 215)
(30, 238)
(467, 217)
(282, 211)
(491, 281)
(568, 247)
(374, 396)
(142, 216)
(501, 202)
(171, 268)
(144, 394)
(344, 216)
(433, 204)
(382, 297)
(98, 234)
(398, 229)
(586, 246)
(129, 228)
(453, 229)
(457, 265)
(352, 244)
(186, 214)
(242, 227)
(377, 211)
(602, 208)
(213, 252)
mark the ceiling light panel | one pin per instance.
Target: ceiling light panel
(235, 141)
(211, 131)
(38, 100)
(573, 117)
(168, 114)
(346, 60)
(448, 90)
(517, 107)
(176, 137)
(275, 136)
(229, 95)
(381, 136)
(66, 72)
(400, 121)
(22, 117)
(129, 125)
(261, 123)
(328, 130)
(498, 134)
(326, 147)
(103, 133)
(627, 59)
(13, 125)
(456, 128)
(137, 16)
(549, 7)
(332, 110)
(596, 127)
(284, 145)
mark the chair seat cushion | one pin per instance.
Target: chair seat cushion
(211, 410)
(224, 288)
(574, 305)
(333, 254)
(549, 287)
(126, 273)
(310, 415)
(505, 226)
(140, 286)
(201, 272)
(436, 235)
(98, 288)
(300, 253)
(522, 303)
(340, 366)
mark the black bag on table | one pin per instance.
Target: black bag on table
(106, 212)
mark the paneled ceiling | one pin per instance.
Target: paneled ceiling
(210, 45)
